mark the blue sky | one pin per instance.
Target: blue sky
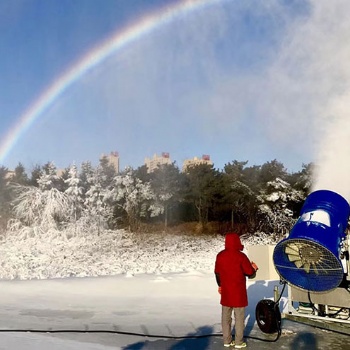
(238, 80)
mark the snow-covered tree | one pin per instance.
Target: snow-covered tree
(5, 198)
(48, 177)
(74, 192)
(304, 178)
(96, 212)
(42, 208)
(276, 205)
(86, 172)
(132, 195)
(108, 172)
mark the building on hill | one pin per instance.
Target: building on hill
(196, 161)
(153, 163)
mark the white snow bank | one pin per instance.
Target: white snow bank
(110, 253)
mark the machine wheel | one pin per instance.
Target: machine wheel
(268, 316)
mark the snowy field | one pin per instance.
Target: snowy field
(35, 256)
(110, 253)
(119, 291)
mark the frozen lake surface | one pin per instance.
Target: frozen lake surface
(173, 305)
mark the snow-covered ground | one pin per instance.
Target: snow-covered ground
(109, 253)
(143, 285)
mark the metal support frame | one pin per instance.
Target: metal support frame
(338, 298)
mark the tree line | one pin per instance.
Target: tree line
(258, 198)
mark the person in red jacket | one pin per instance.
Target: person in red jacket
(232, 267)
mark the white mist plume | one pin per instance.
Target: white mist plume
(310, 83)
(330, 54)
(333, 162)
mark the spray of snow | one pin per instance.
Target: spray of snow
(334, 159)
(311, 82)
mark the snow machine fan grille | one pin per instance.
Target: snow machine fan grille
(307, 265)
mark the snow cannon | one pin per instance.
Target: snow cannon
(309, 258)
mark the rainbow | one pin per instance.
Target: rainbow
(112, 45)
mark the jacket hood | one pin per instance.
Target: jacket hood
(233, 242)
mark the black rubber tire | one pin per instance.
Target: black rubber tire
(268, 316)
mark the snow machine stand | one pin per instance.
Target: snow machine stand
(314, 261)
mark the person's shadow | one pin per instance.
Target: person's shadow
(195, 343)
(192, 341)
(136, 346)
(304, 341)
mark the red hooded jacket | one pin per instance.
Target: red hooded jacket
(232, 267)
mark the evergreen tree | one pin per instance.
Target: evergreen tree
(269, 171)
(302, 180)
(5, 198)
(133, 196)
(165, 183)
(108, 172)
(48, 178)
(86, 172)
(35, 175)
(276, 205)
(201, 189)
(143, 174)
(63, 176)
(74, 192)
(94, 203)
(238, 194)
(20, 176)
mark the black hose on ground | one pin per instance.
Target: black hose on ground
(158, 336)
(108, 332)
(271, 316)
